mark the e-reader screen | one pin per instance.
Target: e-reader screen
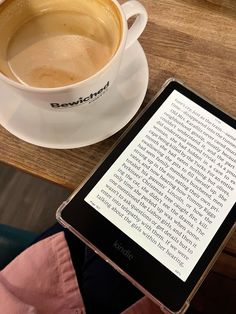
(174, 184)
(161, 204)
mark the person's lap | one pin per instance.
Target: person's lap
(103, 289)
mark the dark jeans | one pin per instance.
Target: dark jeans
(103, 289)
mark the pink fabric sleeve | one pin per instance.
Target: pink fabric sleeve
(10, 304)
(41, 280)
(143, 306)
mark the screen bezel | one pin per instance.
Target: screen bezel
(89, 223)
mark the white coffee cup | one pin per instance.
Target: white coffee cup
(94, 89)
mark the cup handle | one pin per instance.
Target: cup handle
(134, 8)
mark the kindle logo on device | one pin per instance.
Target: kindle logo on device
(122, 250)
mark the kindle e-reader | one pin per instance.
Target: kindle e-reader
(161, 205)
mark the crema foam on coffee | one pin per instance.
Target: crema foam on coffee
(60, 47)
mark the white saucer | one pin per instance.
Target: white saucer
(88, 125)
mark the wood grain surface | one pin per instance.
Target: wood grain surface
(193, 40)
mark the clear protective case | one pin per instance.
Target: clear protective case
(136, 284)
(89, 244)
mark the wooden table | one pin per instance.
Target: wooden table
(194, 40)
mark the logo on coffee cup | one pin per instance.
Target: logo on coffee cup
(92, 97)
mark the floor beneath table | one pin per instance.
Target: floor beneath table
(30, 203)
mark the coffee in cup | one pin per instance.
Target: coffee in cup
(63, 54)
(55, 45)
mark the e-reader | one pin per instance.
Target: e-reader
(161, 205)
